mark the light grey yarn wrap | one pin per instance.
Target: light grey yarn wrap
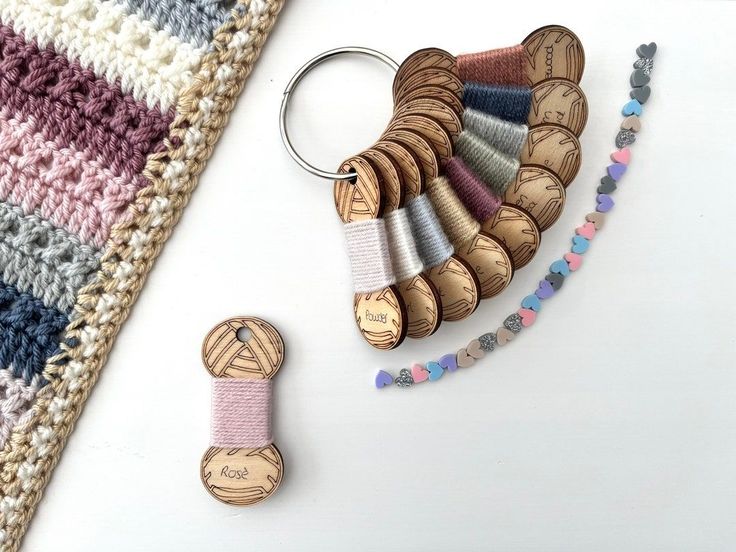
(492, 167)
(432, 244)
(506, 137)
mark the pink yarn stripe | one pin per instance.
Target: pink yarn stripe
(500, 66)
(74, 107)
(69, 188)
(472, 191)
(241, 413)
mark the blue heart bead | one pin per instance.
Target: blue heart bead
(580, 245)
(560, 267)
(531, 302)
(435, 371)
(632, 107)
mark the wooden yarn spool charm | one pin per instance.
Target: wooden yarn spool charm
(561, 102)
(555, 148)
(380, 315)
(552, 52)
(518, 231)
(539, 192)
(250, 349)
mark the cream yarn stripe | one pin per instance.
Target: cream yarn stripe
(150, 64)
(369, 254)
(35, 445)
(404, 256)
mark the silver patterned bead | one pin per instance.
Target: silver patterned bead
(513, 322)
(645, 64)
(404, 378)
(487, 341)
(625, 138)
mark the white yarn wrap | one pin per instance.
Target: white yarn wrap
(151, 64)
(370, 256)
(404, 256)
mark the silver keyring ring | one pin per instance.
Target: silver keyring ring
(298, 76)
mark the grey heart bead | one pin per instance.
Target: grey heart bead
(641, 95)
(638, 78)
(647, 50)
(625, 138)
(513, 322)
(555, 280)
(404, 378)
(645, 64)
(488, 341)
(607, 186)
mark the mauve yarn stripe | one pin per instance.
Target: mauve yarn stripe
(73, 107)
(500, 66)
(475, 195)
(71, 189)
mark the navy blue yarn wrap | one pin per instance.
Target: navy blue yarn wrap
(30, 332)
(511, 103)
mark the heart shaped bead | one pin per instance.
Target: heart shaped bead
(555, 280)
(632, 107)
(513, 323)
(531, 302)
(487, 341)
(528, 317)
(504, 335)
(404, 378)
(598, 219)
(587, 230)
(632, 123)
(605, 203)
(579, 245)
(641, 95)
(544, 291)
(448, 362)
(560, 267)
(625, 138)
(464, 360)
(435, 371)
(418, 373)
(638, 78)
(622, 155)
(647, 50)
(475, 350)
(607, 186)
(573, 260)
(616, 171)
(646, 65)
(383, 379)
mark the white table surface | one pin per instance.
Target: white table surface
(609, 426)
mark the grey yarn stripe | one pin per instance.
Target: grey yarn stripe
(506, 137)
(193, 21)
(492, 167)
(45, 261)
(432, 244)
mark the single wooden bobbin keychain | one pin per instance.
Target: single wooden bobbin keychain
(242, 466)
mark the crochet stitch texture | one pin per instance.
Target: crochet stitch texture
(109, 110)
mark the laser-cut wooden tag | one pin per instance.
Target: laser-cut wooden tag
(539, 192)
(553, 52)
(434, 108)
(491, 261)
(430, 129)
(517, 230)
(555, 148)
(423, 59)
(241, 476)
(433, 92)
(561, 102)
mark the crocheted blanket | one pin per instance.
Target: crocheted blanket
(109, 110)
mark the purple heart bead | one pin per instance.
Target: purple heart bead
(383, 379)
(545, 290)
(605, 203)
(448, 362)
(616, 171)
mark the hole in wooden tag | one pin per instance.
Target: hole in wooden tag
(244, 334)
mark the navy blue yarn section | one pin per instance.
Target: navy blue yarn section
(30, 332)
(511, 103)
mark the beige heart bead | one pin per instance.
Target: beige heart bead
(474, 349)
(598, 219)
(632, 123)
(503, 336)
(464, 360)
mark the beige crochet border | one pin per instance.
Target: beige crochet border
(36, 443)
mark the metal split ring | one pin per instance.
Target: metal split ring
(298, 76)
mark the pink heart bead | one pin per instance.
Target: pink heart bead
(419, 374)
(587, 230)
(573, 260)
(528, 316)
(621, 156)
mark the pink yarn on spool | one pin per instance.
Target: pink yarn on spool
(503, 66)
(241, 413)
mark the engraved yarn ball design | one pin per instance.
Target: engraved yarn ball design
(420, 147)
(458, 287)
(242, 477)
(553, 52)
(408, 164)
(430, 129)
(225, 355)
(423, 59)
(389, 178)
(381, 317)
(433, 76)
(491, 262)
(559, 101)
(517, 230)
(554, 148)
(434, 108)
(423, 306)
(436, 92)
(360, 198)
(539, 192)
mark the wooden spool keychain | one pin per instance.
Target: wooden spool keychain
(242, 466)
